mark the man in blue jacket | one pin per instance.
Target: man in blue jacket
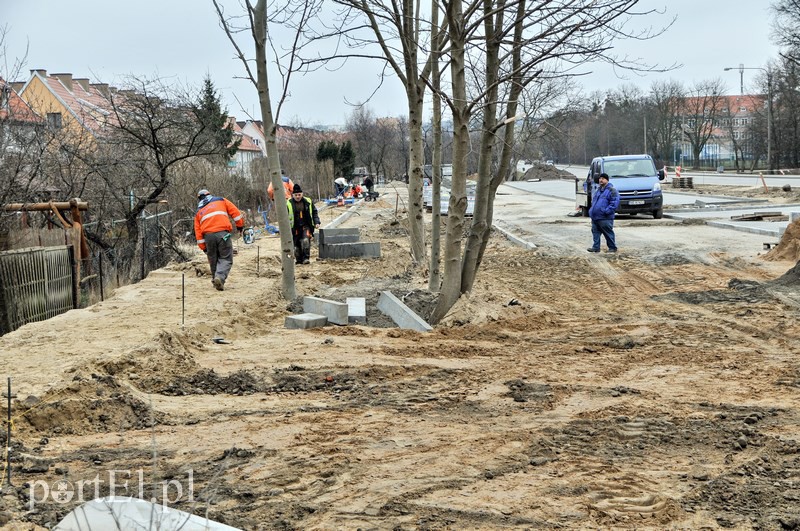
(604, 205)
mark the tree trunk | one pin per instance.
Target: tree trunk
(451, 285)
(273, 160)
(480, 225)
(435, 279)
(416, 227)
(479, 235)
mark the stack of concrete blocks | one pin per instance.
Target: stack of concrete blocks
(343, 243)
(319, 312)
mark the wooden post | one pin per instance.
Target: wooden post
(76, 277)
(761, 176)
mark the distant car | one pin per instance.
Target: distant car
(550, 162)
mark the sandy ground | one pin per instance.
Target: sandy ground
(658, 388)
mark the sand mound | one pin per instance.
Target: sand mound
(789, 246)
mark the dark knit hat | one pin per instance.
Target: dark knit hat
(297, 189)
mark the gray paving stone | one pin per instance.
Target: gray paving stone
(336, 312)
(401, 314)
(305, 320)
(357, 309)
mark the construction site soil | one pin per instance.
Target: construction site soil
(652, 390)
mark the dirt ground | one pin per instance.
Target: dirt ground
(653, 390)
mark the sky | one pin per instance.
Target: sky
(182, 40)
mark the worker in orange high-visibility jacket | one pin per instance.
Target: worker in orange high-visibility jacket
(287, 188)
(212, 228)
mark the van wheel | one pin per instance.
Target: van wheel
(658, 214)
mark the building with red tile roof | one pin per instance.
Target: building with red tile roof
(247, 152)
(13, 109)
(730, 122)
(68, 102)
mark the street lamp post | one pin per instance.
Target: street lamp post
(741, 69)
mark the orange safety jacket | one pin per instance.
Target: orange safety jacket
(213, 217)
(288, 185)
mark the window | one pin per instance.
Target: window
(54, 120)
(742, 109)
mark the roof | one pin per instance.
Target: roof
(90, 107)
(624, 157)
(246, 143)
(14, 108)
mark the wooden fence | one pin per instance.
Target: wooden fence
(35, 284)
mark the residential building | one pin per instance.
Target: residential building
(731, 121)
(18, 122)
(248, 151)
(72, 104)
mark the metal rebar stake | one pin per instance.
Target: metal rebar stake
(8, 436)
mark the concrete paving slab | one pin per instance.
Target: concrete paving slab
(357, 310)
(305, 320)
(402, 315)
(335, 312)
(721, 217)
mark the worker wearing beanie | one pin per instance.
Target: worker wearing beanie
(304, 218)
(212, 228)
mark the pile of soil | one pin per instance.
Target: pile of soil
(543, 172)
(789, 246)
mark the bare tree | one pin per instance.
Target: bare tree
(152, 130)
(514, 43)
(294, 16)
(434, 280)
(728, 116)
(663, 117)
(702, 108)
(399, 31)
(786, 31)
(363, 132)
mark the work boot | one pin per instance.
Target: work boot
(219, 284)
(593, 250)
(306, 261)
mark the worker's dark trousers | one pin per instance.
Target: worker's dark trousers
(302, 245)
(219, 248)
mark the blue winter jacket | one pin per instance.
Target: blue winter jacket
(604, 203)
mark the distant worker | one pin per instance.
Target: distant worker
(304, 218)
(369, 184)
(212, 229)
(605, 202)
(287, 188)
(340, 184)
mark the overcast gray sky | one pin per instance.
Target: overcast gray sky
(181, 39)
